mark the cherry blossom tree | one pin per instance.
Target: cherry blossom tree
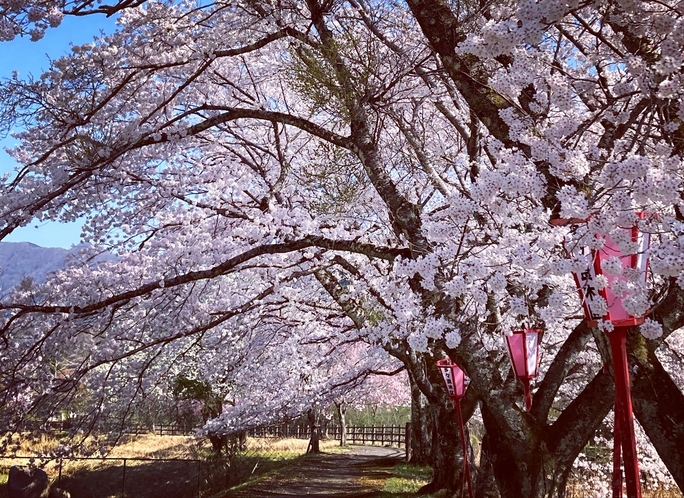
(354, 171)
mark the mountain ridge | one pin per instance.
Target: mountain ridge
(20, 260)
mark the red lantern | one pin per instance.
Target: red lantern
(605, 302)
(454, 379)
(601, 302)
(523, 349)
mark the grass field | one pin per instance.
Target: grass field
(196, 472)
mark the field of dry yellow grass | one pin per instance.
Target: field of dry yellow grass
(153, 466)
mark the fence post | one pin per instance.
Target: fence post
(59, 476)
(407, 441)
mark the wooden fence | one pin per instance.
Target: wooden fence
(130, 429)
(161, 430)
(393, 435)
(298, 431)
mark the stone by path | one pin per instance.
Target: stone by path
(358, 473)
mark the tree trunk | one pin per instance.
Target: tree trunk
(421, 428)
(447, 456)
(520, 462)
(341, 414)
(485, 484)
(217, 442)
(533, 460)
(286, 427)
(314, 442)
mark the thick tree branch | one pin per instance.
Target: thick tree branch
(562, 363)
(579, 420)
(228, 266)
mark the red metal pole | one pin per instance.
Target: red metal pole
(623, 402)
(617, 448)
(464, 444)
(528, 394)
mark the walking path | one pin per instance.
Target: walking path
(360, 472)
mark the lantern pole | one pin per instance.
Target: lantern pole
(624, 416)
(528, 394)
(466, 468)
(624, 438)
(526, 380)
(455, 384)
(617, 448)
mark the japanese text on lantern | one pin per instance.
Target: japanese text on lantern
(449, 381)
(590, 294)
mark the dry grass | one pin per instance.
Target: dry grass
(32, 444)
(97, 478)
(155, 446)
(287, 445)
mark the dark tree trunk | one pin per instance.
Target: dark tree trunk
(515, 477)
(485, 484)
(217, 442)
(314, 442)
(533, 460)
(341, 416)
(518, 460)
(528, 457)
(421, 428)
(286, 426)
(447, 456)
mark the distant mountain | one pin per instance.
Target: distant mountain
(24, 259)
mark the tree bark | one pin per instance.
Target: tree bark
(314, 442)
(421, 428)
(341, 407)
(529, 457)
(485, 484)
(658, 405)
(447, 456)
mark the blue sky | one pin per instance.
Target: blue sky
(29, 57)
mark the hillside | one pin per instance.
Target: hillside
(19, 260)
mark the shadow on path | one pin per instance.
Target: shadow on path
(361, 472)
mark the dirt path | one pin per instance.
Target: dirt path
(361, 472)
